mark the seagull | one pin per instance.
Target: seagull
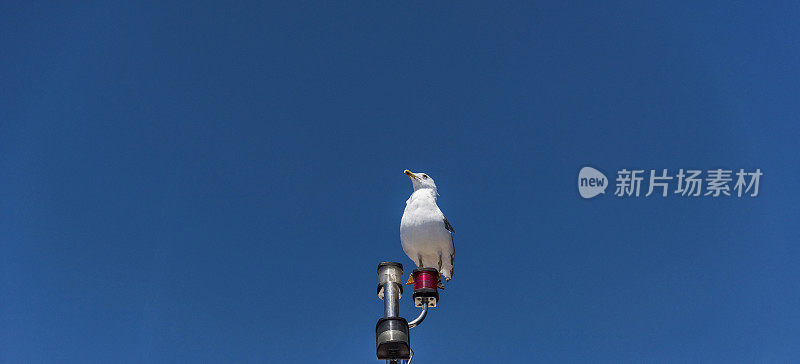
(426, 235)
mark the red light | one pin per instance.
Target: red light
(425, 279)
(426, 282)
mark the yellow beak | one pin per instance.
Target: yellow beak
(410, 175)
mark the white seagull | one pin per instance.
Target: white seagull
(425, 233)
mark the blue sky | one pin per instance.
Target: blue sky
(208, 182)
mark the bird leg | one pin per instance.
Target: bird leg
(439, 282)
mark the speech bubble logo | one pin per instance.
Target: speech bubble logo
(591, 182)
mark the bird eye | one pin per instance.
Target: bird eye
(424, 176)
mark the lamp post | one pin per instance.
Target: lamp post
(392, 338)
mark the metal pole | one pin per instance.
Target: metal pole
(391, 294)
(391, 332)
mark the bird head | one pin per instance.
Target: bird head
(421, 180)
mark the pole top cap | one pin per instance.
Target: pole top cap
(389, 264)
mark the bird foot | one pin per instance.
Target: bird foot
(439, 282)
(410, 279)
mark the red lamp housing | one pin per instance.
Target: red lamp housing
(425, 286)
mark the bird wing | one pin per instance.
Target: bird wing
(448, 226)
(452, 246)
